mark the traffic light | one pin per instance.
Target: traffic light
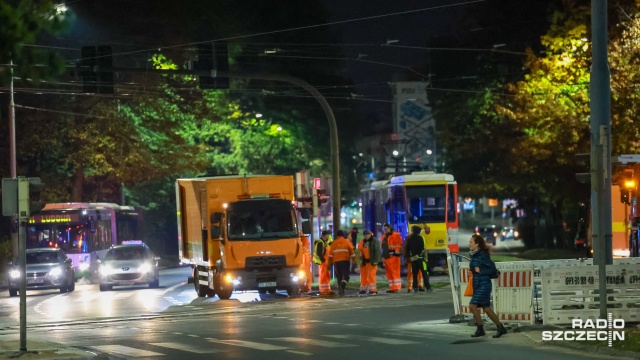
(97, 69)
(627, 190)
(35, 189)
(584, 160)
(214, 58)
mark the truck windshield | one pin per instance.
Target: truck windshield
(261, 220)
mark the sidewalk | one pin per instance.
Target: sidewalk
(524, 335)
(41, 350)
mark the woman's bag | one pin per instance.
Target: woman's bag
(468, 291)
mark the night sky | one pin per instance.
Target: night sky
(355, 46)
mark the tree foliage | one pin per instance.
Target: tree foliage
(22, 22)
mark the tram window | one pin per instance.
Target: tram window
(398, 199)
(451, 205)
(427, 203)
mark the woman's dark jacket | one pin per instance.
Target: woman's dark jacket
(481, 280)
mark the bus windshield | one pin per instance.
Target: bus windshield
(261, 220)
(70, 237)
(427, 204)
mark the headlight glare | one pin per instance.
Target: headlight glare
(55, 272)
(106, 270)
(145, 268)
(15, 274)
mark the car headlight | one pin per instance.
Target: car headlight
(106, 270)
(55, 272)
(14, 274)
(145, 268)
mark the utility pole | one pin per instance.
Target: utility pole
(12, 155)
(600, 125)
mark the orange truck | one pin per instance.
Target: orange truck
(625, 209)
(240, 233)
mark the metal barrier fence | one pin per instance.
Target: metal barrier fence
(521, 296)
(511, 295)
(573, 292)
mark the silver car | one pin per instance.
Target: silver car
(47, 268)
(129, 264)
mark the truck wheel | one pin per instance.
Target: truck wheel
(200, 290)
(224, 293)
(293, 291)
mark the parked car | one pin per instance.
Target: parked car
(488, 232)
(46, 268)
(509, 233)
(129, 264)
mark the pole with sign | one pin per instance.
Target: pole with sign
(16, 201)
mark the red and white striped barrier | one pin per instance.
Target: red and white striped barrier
(513, 295)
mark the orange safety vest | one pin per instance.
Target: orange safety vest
(364, 250)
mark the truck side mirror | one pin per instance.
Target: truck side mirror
(305, 214)
(216, 220)
(306, 227)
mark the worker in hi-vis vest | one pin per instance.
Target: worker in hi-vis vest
(320, 257)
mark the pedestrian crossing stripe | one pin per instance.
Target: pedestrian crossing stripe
(323, 343)
(248, 344)
(134, 352)
(387, 341)
(185, 347)
(125, 350)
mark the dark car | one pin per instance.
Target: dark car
(509, 233)
(488, 232)
(129, 264)
(47, 268)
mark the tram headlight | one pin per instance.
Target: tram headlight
(55, 272)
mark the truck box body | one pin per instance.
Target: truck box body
(239, 231)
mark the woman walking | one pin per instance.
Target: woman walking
(481, 267)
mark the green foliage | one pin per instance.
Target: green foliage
(21, 23)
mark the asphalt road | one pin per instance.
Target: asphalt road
(147, 323)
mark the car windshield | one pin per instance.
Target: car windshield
(47, 257)
(126, 253)
(485, 229)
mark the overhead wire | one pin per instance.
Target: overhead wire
(295, 28)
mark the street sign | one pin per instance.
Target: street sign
(493, 202)
(9, 197)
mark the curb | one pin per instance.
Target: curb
(604, 350)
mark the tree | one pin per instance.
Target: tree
(22, 22)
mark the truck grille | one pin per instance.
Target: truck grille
(266, 262)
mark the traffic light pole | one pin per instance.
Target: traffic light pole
(23, 216)
(600, 123)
